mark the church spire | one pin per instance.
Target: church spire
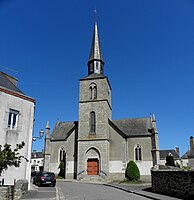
(95, 63)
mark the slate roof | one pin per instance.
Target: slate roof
(37, 154)
(134, 127)
(185, 156)
(94, 75)
(188, 154)
(7, 84)
(95, 51)
(191, 153)
(62, 130)
(164, 153)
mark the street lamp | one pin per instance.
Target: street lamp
(41, 133)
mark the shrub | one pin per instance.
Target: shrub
(132, 171)
(186, 168)
(10, 157)
(61, 169)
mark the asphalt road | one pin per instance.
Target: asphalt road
(84, 191)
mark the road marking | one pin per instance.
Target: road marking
(41, 199)
(60, 194)
(57, 194)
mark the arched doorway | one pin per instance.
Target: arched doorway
(93, 161)
(92, 166)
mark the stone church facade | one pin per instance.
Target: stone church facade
(97, 147)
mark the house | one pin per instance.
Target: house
(174, 153)
(188, 157)
(16, 124)
(37, 161)
(184, 159)
(98, 148)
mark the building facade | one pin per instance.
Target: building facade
(97, 147)
(174, 153)
(37, 161)
(188, 157)
(16, 124)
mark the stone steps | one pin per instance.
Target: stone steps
(93, 179)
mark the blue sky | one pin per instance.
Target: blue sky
(147, 46)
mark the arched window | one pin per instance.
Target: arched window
(92, 122)
(138, 152)
(93, 91)
(91, 95)
(62, 154)
(91, 68)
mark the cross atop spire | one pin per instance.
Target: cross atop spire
(95, 63)
(95, 15)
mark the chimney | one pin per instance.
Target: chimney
(177, 150)
(153, 117)
(191, 143)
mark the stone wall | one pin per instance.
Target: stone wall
(3, 193)
(173, 181)
(21, 187)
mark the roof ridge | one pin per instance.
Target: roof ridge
(131, 118)
(10, 85)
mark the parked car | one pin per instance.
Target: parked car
(33, 173)
(44, 178)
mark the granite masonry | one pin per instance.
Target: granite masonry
(173, 181)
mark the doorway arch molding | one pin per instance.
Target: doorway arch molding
(92, 161)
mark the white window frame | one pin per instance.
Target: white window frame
(61, 149)
(13, 118)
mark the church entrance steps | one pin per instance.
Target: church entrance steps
(93, 179)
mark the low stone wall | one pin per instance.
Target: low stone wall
(21, 187)
(173, 181)
(3, 193)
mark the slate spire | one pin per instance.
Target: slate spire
(95, 62)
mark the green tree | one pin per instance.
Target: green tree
(9, 157)
(132, 172)
(170, 160)
(61, 169)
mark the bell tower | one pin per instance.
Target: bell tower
(95, 110)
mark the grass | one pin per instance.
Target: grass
(132, 182)
(59, 177)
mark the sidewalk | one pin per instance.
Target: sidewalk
(140, 189)
(34, 194)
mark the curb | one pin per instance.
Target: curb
(59, 194)
(132, 192)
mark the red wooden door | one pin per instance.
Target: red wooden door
(92, 166)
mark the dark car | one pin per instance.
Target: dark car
(45, 178)
(33, 173)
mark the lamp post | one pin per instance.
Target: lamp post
(41, 133)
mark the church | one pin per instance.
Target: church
(98, 148)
